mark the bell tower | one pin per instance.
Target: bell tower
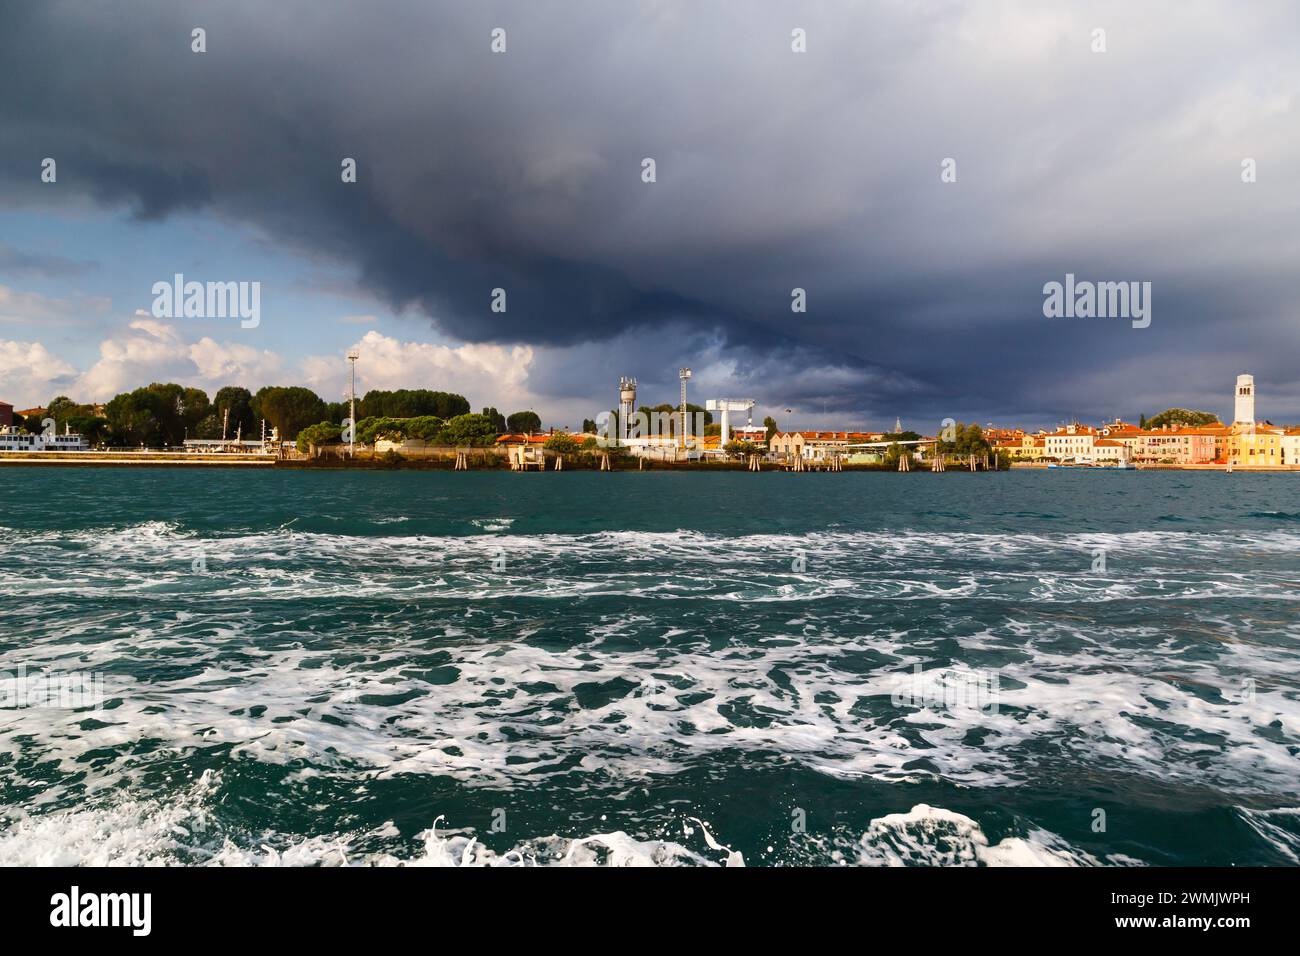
(1244, 407)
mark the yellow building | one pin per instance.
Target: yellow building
(1256, 444)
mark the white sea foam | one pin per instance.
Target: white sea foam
(933, 836)
(185, 829)
(156, 558)
(361, 657)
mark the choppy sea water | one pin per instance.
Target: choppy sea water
(659, 668)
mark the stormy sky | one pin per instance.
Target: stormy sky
(775, 170)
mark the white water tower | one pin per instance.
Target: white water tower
(626, 407)
(1244, 410)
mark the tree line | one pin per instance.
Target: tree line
(165, 414)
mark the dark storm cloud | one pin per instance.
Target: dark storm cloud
(775, 170)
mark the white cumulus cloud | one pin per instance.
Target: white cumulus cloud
(29, 374)
(154, 351)
(485, 374)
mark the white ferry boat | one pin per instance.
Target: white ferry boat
(14, 439)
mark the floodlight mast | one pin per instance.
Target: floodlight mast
(353, 355)
(684, 374)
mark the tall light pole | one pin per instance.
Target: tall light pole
(353, 355)
(684, 374)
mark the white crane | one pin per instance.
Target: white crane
(726, 406)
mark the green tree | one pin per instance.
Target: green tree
(175, 410)
(61, 409)
(289, 409)
(158, 414)
(210, 427)
(1182, 416)
(967, 440)
(240, 420)
(93, 427)
(322, 433)
(741, 449)
(588, 426)
(411, 403)
(971, 441)
(562, 442)
(169, 411)
(498, 420)
(70, 415)
(424, 427)
(524, 422)
(134, 418)
(467, 429)
(770, 424)
(194, 408)
(375, 427)
(1142, 421)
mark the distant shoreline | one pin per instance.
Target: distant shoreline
(66, 459)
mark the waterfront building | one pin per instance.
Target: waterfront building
(1252, 442)
(1027, 447)
(1071, 443)
(756, 434)
(1003, 436)
(523, 450)
(1256, 443)
(1290, 445)
(1111, 451)
(817, 445)
(1176, 445)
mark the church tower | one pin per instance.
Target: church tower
(1244, 410)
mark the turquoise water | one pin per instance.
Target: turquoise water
(858, 668)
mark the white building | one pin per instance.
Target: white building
(1071, 443)
(1290, 443)
(1111, 451)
